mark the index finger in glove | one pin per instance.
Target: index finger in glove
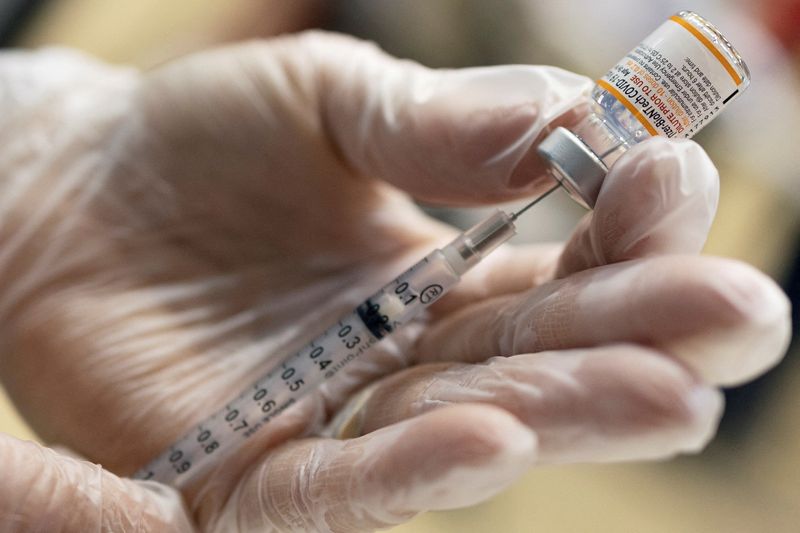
(659, 198)
(446, 136)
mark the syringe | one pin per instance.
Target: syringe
(303, 371)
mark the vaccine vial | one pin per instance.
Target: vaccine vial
(672, 84)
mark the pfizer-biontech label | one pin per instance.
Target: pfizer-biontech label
(675, 81)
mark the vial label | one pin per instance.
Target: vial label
(675, 81)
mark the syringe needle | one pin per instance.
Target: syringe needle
(515, 216)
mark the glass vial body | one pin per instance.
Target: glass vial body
(672, 84)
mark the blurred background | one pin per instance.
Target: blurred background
(747, 480)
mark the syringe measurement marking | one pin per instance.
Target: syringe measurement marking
(267, 405)
(356, 334)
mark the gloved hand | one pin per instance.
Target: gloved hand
(166, 236)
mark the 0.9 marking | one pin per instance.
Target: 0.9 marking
(179, 466)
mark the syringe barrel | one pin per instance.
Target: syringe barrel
(297, 374)
(469, 248)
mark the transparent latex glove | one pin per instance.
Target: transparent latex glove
(166, 236)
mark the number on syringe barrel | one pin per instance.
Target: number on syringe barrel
(349, 343)
(286, 375)
(315, 355)
(230, 418)
(267, 405)
(370, 314)
(179, 466)
(402, 288)
(204, 439)
(374, 313)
